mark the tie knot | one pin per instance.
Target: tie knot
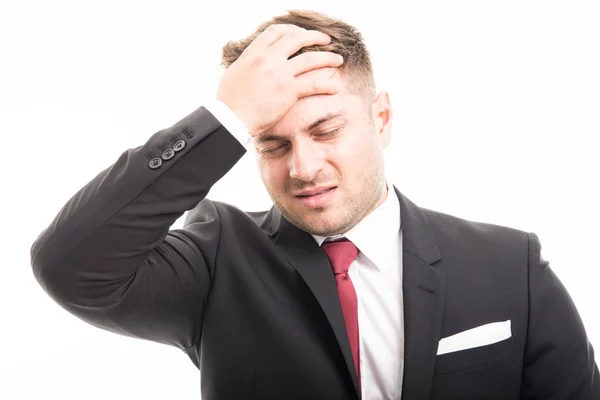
(341, 254)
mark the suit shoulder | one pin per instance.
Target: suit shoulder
(492, 250)
(452, 226)
(229, 215)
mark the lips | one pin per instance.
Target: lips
(317, 198)
(315, 192)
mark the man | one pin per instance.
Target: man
(344, 289)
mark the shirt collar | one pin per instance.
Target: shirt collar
(373, 234)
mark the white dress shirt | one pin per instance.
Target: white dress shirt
(377, 278)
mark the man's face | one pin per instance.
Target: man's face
(322, 163)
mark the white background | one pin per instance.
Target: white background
(496, 119)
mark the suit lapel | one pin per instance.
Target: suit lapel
(307, 257)
(423, 287)
(424, 293)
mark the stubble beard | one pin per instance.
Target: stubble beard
(325, 221)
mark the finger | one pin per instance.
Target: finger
(272, 34)
(312, 60)
(320, 81)
(290, 43)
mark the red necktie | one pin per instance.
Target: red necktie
(341, 254)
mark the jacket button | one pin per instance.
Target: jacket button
(179, 145)
(168, 154)
(155, 163)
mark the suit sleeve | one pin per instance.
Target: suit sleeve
(109, 256)
(559, 360)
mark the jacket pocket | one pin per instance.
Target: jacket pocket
(475, 357)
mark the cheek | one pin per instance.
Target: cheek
(354, 153)
(358, 160)
(272, 174)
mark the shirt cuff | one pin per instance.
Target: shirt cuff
(229, 120)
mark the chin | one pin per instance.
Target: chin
(321, 225)
(324, 221)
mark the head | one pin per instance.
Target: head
(332, 142)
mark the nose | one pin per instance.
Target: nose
(306, 161)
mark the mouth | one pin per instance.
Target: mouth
(318, 198)
(316, 193)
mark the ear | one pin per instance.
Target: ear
(382, 117)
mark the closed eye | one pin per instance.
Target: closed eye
(328, 134)
(318, 136)
(273, 150)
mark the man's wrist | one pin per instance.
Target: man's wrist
(229, 120)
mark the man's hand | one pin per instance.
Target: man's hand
(262, 85)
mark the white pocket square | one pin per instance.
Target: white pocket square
(480, 336)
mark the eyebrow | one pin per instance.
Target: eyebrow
(312, 126)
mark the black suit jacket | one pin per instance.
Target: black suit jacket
(252, 299)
